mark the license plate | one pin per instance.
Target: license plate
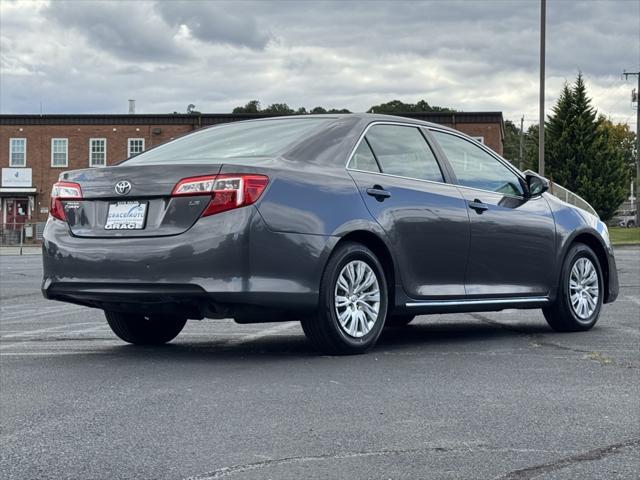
(126, 216)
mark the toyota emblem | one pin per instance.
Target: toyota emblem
(123, 187)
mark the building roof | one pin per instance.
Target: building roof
(214, 118)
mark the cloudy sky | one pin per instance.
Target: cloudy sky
(91, 56)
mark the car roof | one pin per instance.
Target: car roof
(364, 117)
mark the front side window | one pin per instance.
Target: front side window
(403, 151)
(97, 152)
(476, 168)
(17, 152)
(59, 152)
(135, 146)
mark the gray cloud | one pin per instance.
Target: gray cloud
(216, 22)
(127, 30)
(92, 56)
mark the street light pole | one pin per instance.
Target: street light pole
(543, 20)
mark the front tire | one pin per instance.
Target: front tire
(144, 330)
(353, 302)
(580, 293)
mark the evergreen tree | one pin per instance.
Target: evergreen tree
(560, 155)
(583, 153)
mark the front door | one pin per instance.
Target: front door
(425, 219)
(512, 247)
(17, 213)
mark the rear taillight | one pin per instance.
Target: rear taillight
(63, 191)
(227, 191)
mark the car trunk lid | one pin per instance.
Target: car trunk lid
(134, 201)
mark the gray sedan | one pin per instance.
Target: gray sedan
(347, 223)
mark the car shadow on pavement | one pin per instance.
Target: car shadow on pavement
(457, 335)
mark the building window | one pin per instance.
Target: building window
(98, 152)
(17, 152)
(59, 152)
(135, 146)
(479, 139)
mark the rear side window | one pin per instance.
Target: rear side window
(363, 159)
(403, 151)
(247, 140)
(476, 168)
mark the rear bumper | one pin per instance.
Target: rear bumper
(225, 263)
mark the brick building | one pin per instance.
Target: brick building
(35, 149)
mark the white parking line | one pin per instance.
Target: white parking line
(22, 316)
(31, 333)
(263, 333)
(49, 354)
(74, 348)
(635, 300)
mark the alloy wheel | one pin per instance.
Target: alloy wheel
(357, 298)
(584, 288)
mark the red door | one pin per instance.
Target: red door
(17, 213)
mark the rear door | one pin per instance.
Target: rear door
(512, 238)
(424, 217)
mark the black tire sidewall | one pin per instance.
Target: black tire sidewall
(137, 329)
(577, 252)
(349, 253)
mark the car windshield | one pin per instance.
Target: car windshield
(261, 138)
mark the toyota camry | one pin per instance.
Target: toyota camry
(347, 223)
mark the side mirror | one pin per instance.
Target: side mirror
(536, 185)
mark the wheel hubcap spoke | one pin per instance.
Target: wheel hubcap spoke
(584, 288)
(357, 298)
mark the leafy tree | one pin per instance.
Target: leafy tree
(252, 106)
(531, 149)
(511, 147)
(396, 106)
(603, 179)
(279, 108)
(283, 109)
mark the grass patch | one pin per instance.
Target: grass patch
(624, 236)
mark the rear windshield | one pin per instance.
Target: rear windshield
(261, 138)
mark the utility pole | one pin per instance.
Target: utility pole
(626, 76)
(543, 21)
(521, 159)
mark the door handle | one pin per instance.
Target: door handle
(378, 193)
(478, 206)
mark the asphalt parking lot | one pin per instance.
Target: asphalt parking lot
(487, 396)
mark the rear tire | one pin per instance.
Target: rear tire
(353, 302)
(143, 330)
(580, 293)
(399, 320)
